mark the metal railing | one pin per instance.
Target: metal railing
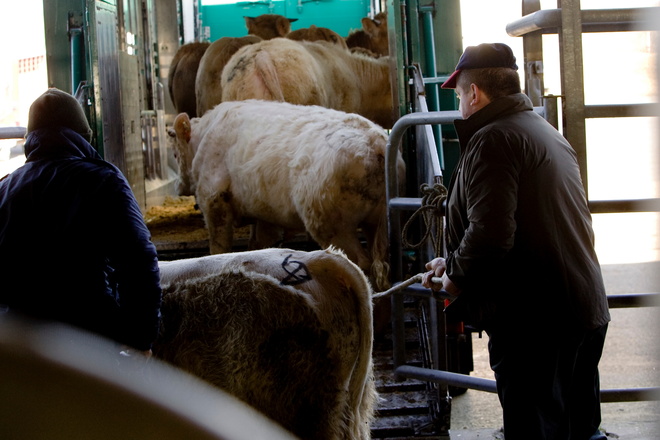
(12, 132)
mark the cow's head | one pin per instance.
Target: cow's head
(376, 28)
(268, 26)
(181, 132)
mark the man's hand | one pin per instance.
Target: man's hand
(437, 268)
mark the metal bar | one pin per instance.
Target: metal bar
(430, 70)
(630, 395)
(431, 133)
(550, 110)
(436, 79)
(489, 386)
(630, 300)
(447, 377)
(572, 82)
(533, 53)
(405, 203)
(610, 206)
(621, 110)
(548, 21)
(396, 135)
(76, 49)
(12, 132)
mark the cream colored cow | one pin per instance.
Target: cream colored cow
(288, 166)
(311, 73)
(288, 332)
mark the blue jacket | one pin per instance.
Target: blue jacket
(73, 244)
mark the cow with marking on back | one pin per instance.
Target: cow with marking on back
(311, 73)
(288, 332)
(208, 89)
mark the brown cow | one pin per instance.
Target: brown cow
(268, 26)
(372, 38)
(314, 33)
(288, 332)
(208, 89)
(182, 74)
(311, 73)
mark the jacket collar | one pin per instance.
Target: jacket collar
(51, 143)
(500, 107)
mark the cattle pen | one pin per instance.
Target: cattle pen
(116, 57)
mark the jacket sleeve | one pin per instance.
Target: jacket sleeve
(135, 262)
(491, 194)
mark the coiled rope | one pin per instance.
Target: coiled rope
(431, 212)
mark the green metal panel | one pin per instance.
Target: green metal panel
(398, 42)
(103, 56)
(339, 15)
(433, 40)
(58, 51)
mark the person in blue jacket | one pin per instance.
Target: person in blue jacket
(74, 247)
(520, 254)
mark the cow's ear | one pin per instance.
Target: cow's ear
(249, 23)
(182, 126)
(283, 26)
(369, 26)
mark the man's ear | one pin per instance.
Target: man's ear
(475, 94)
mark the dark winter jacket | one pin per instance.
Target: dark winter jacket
(519, 233)
(73, 243)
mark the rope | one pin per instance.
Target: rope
(431, 212)
(412, 280)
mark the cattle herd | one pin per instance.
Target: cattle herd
(283, 130)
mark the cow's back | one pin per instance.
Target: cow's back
(298, 72)
(208, 85)
(266, 167)
(289, 332)
(182, 75)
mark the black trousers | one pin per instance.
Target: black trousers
(547, 382)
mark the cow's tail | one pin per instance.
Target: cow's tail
(268, 76)
(362, 388)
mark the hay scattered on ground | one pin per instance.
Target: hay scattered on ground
(176, 220)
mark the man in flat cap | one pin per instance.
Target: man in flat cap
(73, 244)
(520, 254)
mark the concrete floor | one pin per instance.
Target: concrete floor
(630, 360)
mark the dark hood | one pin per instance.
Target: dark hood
(48, 143)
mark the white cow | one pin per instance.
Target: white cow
(288, 166)
(288, 332)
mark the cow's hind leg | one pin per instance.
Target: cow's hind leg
(219, 221)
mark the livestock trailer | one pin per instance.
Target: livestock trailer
(114, 55)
